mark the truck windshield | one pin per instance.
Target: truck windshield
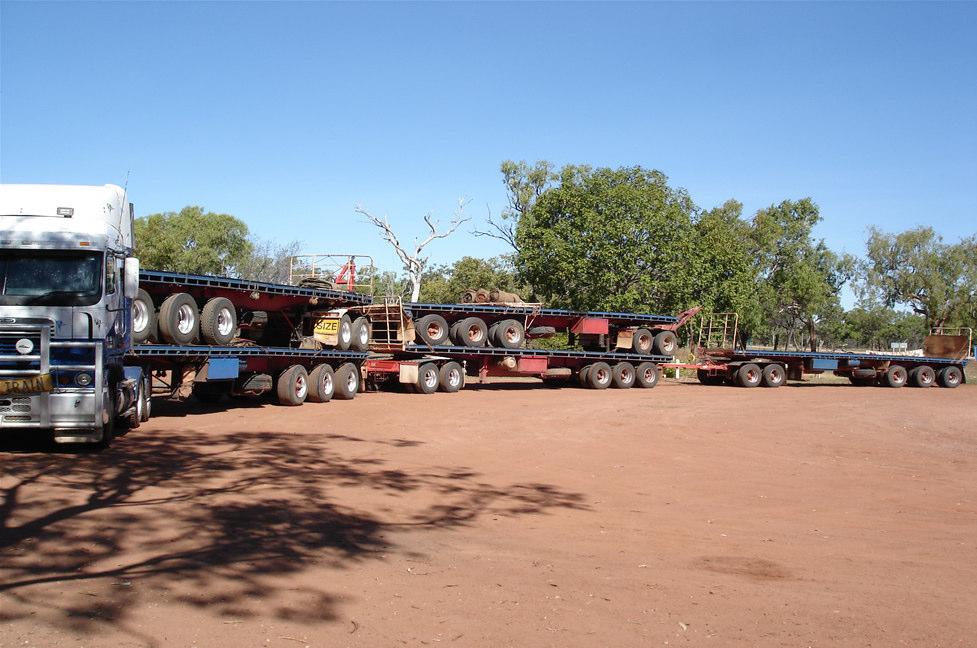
(50, 277)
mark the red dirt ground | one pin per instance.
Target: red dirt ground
(507, 516)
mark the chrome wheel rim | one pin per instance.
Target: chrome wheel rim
(185, 319)
(225, 322)
(140, 316)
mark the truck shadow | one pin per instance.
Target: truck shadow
(217, 522)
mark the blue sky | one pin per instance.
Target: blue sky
(288, 114)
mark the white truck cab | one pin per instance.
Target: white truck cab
(67, 278)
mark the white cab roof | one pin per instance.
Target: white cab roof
(29, 216)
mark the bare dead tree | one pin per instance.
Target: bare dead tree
(503, 229)
(414, 263)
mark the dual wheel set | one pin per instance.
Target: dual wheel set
(179, 321)
(296, 384)
(449, 378)
(746, 375)
(433, 330)
(898, 376)
(623, 375)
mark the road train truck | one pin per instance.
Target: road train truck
(67, 280)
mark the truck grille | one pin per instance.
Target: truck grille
(18, 404)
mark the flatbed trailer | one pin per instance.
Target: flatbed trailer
(509, 326)
(752, 367)
(211, 372)
(721, 359)
(427, 369)
(181, 309)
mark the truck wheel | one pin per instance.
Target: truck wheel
(922, 377)
(623, 376)
(451, 378)
(774, 375)
(361, 334)
(218, 321)
(179, 321)
(647, 375)
(144, 327)
(453, 334)
(642, 341)
(347, 381)
(344, 337)
(950, 377)
(472, 332)
(896, 376)
(599, 376)
(709, 379)
(433, 330)
(582, 375)
(293, 385)
(666, 342)
(540, 332)
(322, 384)
(749, 375)
(509, 334)
(492, 332)
(428, 377)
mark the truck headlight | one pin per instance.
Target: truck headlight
(83, 379)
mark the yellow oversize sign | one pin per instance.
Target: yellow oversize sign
(34, 385)
(326, 330)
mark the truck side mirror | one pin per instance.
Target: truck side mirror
(131, 284)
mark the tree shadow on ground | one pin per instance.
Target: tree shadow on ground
(212, 521)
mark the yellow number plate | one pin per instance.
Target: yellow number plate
(34, 385)
(327, 330)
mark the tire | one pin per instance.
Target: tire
(774, 375)
(144, 320)
(950, 377)
(322, 384)
(432, 330)
(472, 332)
(345, 334)
(218, 321)
(642, 341)
(623, 375)
(666, 343)
(133, 421)
(509, 334)
(647, 375)
(360, 330)
(896, 376)
(600, 376)
(179, 321)
(453, 335)
(922, 377)
(492, 332)
(582, 375)
(706, 378)
(451, 378)
(749, 375)
(428, 378)
(540, 332)
(293, 386)
(347, 378)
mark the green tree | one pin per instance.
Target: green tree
(524, 185)
(918, 270)
(799, 277)
(192, 241)
(445, 284)
(268, 261)
(608, 239)
(722, 268)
